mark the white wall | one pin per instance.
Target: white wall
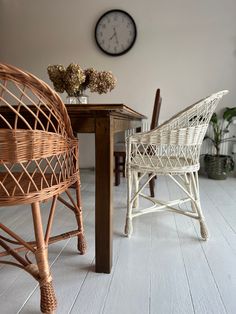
(185, 47)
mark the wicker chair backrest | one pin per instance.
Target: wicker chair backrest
(38, 152)
(176, 142)
(187, 127)
(25, 95)
(195, 115)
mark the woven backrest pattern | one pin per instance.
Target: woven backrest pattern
(38, 152)
(25, 95)
(174, 145)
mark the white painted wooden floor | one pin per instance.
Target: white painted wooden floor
(164, 268)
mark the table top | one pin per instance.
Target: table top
(92, 110)
(99, 109)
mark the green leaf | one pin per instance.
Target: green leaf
(214, 119)
(229, 114)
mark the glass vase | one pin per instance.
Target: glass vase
(82, 98)
(72, 100)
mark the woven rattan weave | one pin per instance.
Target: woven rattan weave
(38, 161)
(120, 149)
(172, 149)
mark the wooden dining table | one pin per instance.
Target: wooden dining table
(104, 120)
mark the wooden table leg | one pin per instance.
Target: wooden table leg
(103, 200)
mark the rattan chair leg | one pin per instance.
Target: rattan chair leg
(136, 186)
(189, 188)
(48, 303)
(129, 225)
(81, 245)
(195, 185)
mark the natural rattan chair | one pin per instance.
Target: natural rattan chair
(173, 150)
(120, 150)
(38, 161)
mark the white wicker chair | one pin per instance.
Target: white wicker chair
(172, 149)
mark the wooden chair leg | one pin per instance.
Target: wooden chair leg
(123, 166)
(48, 303)
(82, 246)
(117, 171)
(152, 187)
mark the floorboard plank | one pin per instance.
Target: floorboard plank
(94, 291)
(204, 292)
(169, 286)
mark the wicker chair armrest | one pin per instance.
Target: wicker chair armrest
(25, 145)
(192, 135)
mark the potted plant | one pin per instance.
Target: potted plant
(217, 166)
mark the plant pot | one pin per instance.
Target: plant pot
(218, 167)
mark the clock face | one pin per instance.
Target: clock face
(115, 32)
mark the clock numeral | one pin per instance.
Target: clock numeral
(108, 20)
(104, 26)
(128, 25)
(115, 17)
(101, 34)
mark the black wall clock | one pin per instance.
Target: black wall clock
(115, 32)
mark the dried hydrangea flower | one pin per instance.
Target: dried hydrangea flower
(73, 79)
(102, 82)
(88, 72)
(56, 74)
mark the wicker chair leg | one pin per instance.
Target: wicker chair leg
(48, 303)
(128, 225)
(48, 298)
(189, 188)
(204, 230)
(136, 185)
(81, 245)
(197, 206)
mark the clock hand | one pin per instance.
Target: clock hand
(112, 36)
(115, 34)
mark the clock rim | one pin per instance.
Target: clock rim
(113, 54)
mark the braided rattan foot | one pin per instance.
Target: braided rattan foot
(128, 227)
(48, 298)
(204, 231)
(48, 301)
(82, 245)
